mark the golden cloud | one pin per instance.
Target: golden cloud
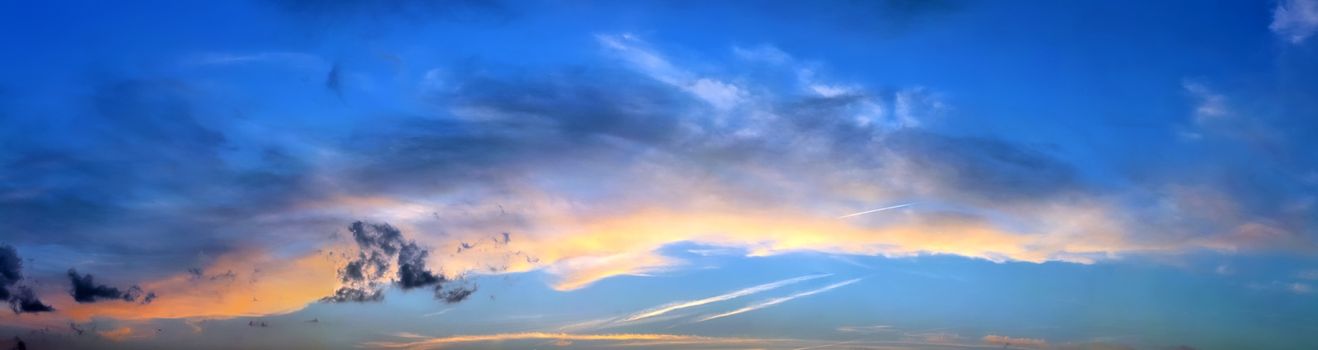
(248, 283)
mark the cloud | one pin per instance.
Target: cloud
(874, 210)
(85, 290)
(21, 298)
(437, 313)
(123, 334)
(666, 150)
(719, 94)
(24, 300)
(1005, 341)
(1209, 105)
(776, 301)
(648, 338)
(787, 156)
(714, 299)
(378, 247)
(580, 271)
(344, 295)
(11, 270)
(262, 284)
(1295, 20)
(178, 147)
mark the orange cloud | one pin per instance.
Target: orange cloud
(241, 284)
(580, 243)
(994, 339)
(559, 338)
(583, 249)
(122, 334)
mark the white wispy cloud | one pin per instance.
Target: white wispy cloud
(1209, 104)
(720, 94)
(714, 299)
(1295, 20)
(776, 301)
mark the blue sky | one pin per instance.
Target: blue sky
(579, 174)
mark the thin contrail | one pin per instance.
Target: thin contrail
(776, 301)
(735, 294)
(437, 313)
(875, 210)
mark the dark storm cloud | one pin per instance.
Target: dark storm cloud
(379, 247)
(85, 290)
(21, 299)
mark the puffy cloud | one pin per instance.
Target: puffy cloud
(378, 246)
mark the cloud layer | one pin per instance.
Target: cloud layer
(583, 170)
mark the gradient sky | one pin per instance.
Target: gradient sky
(659, 175)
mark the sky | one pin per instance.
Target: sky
(481, 174)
